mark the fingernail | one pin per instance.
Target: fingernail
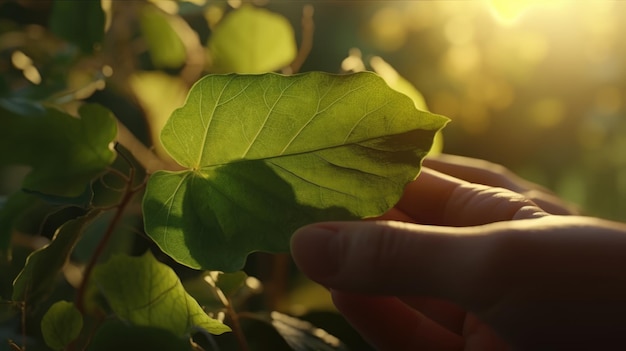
(315, 250)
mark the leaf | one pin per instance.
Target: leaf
(266, 154)
(115, 335)
(167, 50)
(79, 22)
(399, 83)
(42, 266)
(145, 292)
(61, 324)
(252, 40)
(65, 152)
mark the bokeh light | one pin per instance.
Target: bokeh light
(536, 85)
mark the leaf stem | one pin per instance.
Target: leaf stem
(236, 326)
(230, 311)
(128, 195)
(148, 159)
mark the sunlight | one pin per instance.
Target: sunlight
(509, 11)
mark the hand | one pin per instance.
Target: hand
(486, 268)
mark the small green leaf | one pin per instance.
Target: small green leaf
(145, 292)
(166, 48)
(266, 154)
(66, 153)
(61, 324)
(79, 22)
(43, 266)
(119, 336)
(252, 40)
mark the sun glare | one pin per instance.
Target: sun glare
(510, 11)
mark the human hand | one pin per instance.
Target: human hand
(474, 278)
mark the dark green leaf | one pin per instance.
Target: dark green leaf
(61, 324)
(119, 336)
(145, 292)
(42, 266)
(66, 153)
(252, 40)
(266, 154)
(79, 22)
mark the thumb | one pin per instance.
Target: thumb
(396, 258)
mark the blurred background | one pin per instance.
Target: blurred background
(538, 86)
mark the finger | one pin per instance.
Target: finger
(495, 175)
(389, 324)
(532, 280)
(442, 312)
(390, 258)
(436, 198)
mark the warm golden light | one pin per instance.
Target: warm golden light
(509, 11)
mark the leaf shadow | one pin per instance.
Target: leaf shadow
(241, 208)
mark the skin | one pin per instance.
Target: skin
(474, 259)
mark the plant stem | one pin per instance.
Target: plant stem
(82, 289)
(148, 159)
(308, 29)
(241, 338)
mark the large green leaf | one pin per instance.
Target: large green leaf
(61, 324)
(266, 154)
(66, 153)
(148, 293)
(252, 40)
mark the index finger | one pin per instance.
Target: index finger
(439, 199)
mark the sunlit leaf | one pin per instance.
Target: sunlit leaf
(79, 22)
(269, 153)
(399, 83)
(119, 336)
(61, 324)
(167, 50)
(252, 40)
(145, 292)
(43, 266)
(65, 152)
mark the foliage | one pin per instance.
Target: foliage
(128, 239)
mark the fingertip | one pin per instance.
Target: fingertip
(314, 251)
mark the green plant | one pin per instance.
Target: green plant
(246, 159)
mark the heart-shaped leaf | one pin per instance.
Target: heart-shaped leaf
(268, 153)
(145, 292)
